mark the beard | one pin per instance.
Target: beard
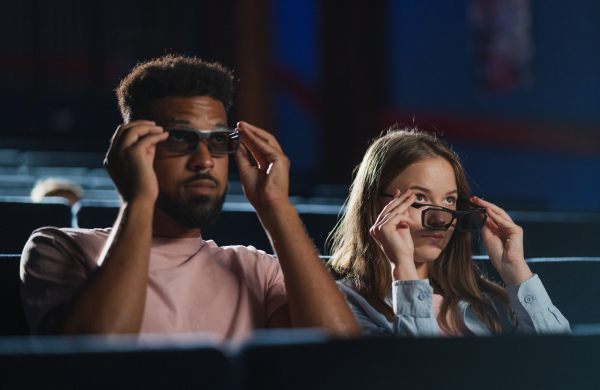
(197, 212)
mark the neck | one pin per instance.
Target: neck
(165, 226)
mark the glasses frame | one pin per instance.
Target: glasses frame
(456, 214)
(232, 134)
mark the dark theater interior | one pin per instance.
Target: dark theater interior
(512, 86)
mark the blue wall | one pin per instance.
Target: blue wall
(432, 69)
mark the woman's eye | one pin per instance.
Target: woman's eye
(419, 198)
(450, 200)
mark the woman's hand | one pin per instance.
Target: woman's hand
(503, 242)
(392, 233)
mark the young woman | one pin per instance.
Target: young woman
(403, 249)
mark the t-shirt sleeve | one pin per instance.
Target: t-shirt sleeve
(53, 269)
(275, 292)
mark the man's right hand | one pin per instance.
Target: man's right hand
(130, 157)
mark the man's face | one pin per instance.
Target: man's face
(191, 186)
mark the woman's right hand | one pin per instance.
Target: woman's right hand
(392, 232)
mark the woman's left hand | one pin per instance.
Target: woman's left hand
(503, 242)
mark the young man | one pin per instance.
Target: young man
(153, 272)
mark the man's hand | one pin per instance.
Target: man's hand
(130, 156)
(268, 183)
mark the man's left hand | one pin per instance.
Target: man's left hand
(268, 183)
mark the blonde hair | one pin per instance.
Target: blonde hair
(55, 186)
(357, 257)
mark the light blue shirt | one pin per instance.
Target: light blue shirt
(413, 311)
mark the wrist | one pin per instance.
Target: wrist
(404, 271)
(513, 274)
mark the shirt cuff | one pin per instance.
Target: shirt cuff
(412, 298)
(529, 296)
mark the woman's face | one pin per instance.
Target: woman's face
(432, 180)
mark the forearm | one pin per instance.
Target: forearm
(314, 298)
(515, 273)
(113, 301)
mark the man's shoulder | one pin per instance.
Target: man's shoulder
(51, 241)
(76, 234)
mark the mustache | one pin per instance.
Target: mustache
(199, 176)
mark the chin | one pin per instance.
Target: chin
(426, 255)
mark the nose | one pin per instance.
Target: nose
(201, 159)
(437, 218)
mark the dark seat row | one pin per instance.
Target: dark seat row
(302, 360)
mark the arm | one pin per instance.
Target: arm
(313, 297)
(113, 301)
(534, 310)
(413, 311)
(503, 242)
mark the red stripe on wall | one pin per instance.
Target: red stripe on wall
(528, 134)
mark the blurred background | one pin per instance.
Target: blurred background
(512, 85)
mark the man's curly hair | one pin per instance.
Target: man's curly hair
(172, 75)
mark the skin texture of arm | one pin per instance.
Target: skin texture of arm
(314, 299)
(113, 300)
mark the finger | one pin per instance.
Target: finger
(400, 203)
(241, 158)
(127, 135)
(123, 128)
(504, 223)
(260, 134)
(391, 222)
(491, 206)
(261, 147)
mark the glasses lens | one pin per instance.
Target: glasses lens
(471, 221)
(181, 140)
(437, 219)
(223, 141)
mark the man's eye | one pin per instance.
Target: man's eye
(180, 136)
(219, 138)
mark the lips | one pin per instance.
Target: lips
(434, 237)
(201, 186)
(202, 183)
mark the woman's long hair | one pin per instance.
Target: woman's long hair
(357, 257)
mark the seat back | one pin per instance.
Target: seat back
(12, 319)
(20, 219)
(571, 283)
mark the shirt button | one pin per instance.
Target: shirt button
(422, 296)
(528, 299)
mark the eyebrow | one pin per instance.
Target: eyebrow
(178, 121)
(423, 189)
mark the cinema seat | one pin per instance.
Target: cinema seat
(20, 219)
(12, 319)
(111, 362)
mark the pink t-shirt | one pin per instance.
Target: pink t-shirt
(194, 285)
(437, 303)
